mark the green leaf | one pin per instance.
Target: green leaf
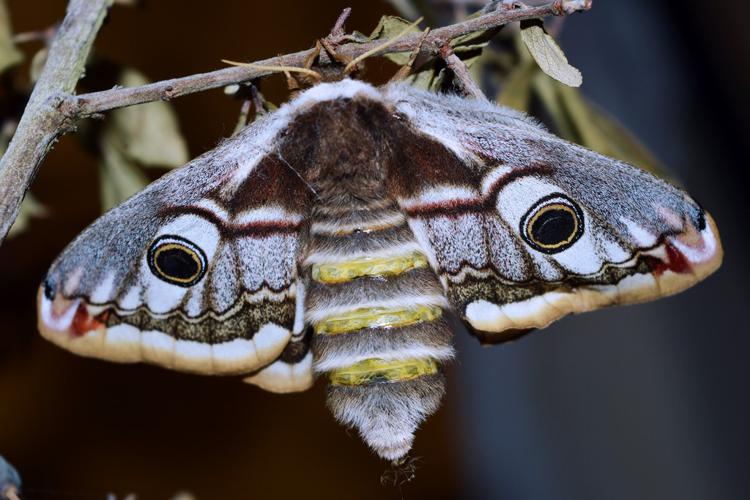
(148, 134)
(9, 54)
(548, 55)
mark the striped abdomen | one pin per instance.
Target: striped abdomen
(380, 331)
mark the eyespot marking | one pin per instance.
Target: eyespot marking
(176, 260)
(553, 224)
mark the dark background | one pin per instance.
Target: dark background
(646, 402)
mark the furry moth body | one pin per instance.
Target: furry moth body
(337, 234)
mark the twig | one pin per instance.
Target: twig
(97, 102)
(53, 108)
(468, 86)
(275, 69)
(42, 121)
(338, 29)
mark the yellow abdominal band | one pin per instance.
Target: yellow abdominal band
(375, 370)
(376, 317)
(378, 370)
(342, 272)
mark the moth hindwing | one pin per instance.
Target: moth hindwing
(337, 234)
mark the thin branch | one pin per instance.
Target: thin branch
(42, 121)
(97, 102)
(338, 29)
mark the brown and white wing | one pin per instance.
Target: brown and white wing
(198, 272)
(524, 228)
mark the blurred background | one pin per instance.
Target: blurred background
(646, 402)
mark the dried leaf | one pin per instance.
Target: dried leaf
(30, 208)
(9, 54)
(548, 55)
(119, 176)
(137, 136)
(148, 134)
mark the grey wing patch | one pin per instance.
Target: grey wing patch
(195, 273)
(550, 228)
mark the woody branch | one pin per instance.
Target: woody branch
(53, 107)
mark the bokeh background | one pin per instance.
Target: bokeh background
(646, 402)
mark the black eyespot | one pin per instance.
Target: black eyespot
(176, 260)
(553, 224)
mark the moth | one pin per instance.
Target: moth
(343, 235)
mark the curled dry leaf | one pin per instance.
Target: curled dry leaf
(548, 55)
(148, 134)
(137, 136)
